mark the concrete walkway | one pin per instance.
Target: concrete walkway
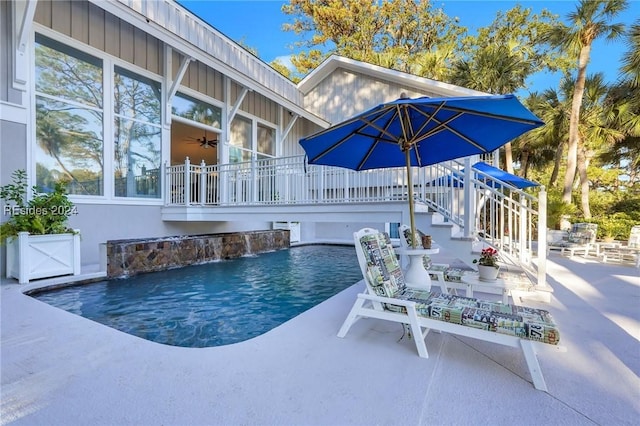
(61, 369)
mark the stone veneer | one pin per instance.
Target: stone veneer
(131, 257)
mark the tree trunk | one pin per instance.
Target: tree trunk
(508, 157)
(584, 182)
(524, 163)
(556, 166)
(574, 135)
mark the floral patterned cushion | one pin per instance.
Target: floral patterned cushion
(521, 321)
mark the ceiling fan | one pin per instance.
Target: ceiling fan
(204, 142)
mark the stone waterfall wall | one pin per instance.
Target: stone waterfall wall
(131, 257)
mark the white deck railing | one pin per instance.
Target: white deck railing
(501, 214)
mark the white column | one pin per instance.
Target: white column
(469, 200)
(542, 237)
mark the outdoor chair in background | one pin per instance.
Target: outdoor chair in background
(626, 252)
(388, 298)
(580, 239)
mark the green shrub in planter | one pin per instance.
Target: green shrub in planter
(44, 213)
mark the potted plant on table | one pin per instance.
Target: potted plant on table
(488, 267)
(39, 242)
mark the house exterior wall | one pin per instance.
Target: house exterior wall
(91, 25)
(230, 55)
(7, 92)
(12, 122)
(88, 23)
(345, 93)
(219, 72)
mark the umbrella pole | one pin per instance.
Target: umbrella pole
(407, 154)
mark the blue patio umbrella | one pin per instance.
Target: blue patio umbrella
(419, 132)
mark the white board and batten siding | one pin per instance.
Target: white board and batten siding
(123, 40)
(91, 25)
(345, 93)
(179, 21)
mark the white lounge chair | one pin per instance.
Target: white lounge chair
(625, 252)
(581, 238)
(389, 299)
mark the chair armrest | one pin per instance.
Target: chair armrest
(390, 300)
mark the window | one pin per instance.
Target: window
(394, 230)
(73, 129)
(137, 135)
(69, 118)
(195, 110)
(240, 148)
(266, 141)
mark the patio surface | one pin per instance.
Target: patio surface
(61, 369)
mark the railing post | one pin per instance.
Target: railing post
(542, 237)
(320, 183)
(203, 182)
(346, 184)
(187, 181)
(223, 183)
(469, 200)
(168, 184)
(522, 222)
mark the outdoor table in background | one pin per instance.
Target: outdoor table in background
(601, 246)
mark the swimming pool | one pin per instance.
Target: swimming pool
(218, 303)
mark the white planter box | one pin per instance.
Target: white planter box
(31, 257)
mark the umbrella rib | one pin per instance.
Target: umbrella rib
(443, 126)
(355, 132)
(490, 115)
(382, 130)
(429, 118)
(377, 140)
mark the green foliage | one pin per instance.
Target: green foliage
(615, 212)
(397, 34)
(616, 226)
(44, 213)
(556, 209)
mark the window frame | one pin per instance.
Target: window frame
(109, 63)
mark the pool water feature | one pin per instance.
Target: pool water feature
(218, 303)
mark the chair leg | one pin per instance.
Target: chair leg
(416, 330)
(352, 317)
(534, 366)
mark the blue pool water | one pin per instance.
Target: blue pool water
(217, 303)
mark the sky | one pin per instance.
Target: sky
(258, 24)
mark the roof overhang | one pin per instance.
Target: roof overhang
(424, 84)
(126, 11)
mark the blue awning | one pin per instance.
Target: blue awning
(495, 173)
(503, 176)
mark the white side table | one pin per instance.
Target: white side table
(498, 286)
(415, 275)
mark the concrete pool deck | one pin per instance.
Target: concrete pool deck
(61, 369)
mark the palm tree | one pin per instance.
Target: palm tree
(539, 147)
(497, 69)
(625, 97)
(588, 22)
(598, 131)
